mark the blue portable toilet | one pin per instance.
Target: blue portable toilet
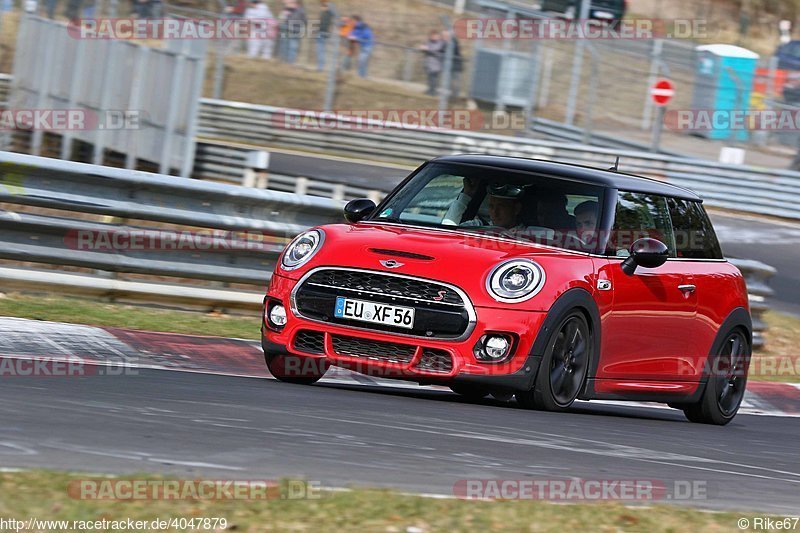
(723, 81)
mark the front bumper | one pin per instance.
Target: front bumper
(515, 373)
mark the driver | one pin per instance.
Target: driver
(505, 205)
(505, 209)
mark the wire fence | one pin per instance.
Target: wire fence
(610, 95)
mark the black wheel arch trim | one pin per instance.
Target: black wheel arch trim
(738, 318)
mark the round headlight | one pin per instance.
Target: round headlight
(302, 248)
(515, 281)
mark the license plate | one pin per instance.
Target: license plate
(603, 15)
(389, 315)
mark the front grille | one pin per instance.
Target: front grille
(309, 341)
(406, 288)
(434, 360)
(439, 311)
(383, 351)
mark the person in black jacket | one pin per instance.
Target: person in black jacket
(327, 22)
(458, 64)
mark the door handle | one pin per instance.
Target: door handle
(687, 288)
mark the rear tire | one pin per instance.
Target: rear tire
(471, 392)
(564, 366)
(291, 368)
(726, 383)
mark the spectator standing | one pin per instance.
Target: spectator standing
(156, 9)
(434, 60)
(293, 22)
(49, 6)
(74, 9)
(327, 18)
(346, 27)
(236, 11)
(260, 18)
(88, 9)
(362, 34)
(458, 63)
(140, 8)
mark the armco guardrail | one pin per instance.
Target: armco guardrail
(234, 233)
(744, 188)
(166, 206)
(757, 276)
(228, 163)
(751, 189)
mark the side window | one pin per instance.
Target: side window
(694, 235)
(640, 215)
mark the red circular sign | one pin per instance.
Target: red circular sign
(662, 92)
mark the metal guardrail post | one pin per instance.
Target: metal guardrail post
(255, 171)
(655, 62)
(447, 73)
(577, 64)
(333, 42)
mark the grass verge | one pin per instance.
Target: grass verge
(782, 338)
(43, 495)
(84, 311)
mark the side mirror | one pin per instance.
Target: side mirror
(358, 209)
(645, 253)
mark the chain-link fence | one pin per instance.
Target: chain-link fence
(610, 95)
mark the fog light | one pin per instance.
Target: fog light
(496, 347)
(493, 348)
(277, 316)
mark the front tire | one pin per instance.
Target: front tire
(564, 366)
(297, 369)
(726, 383)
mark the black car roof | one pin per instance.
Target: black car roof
(596, 176)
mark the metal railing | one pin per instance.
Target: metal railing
(230, 234)
(227, 162)
(215, 222)
(740, 187)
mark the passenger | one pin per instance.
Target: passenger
(586, 220)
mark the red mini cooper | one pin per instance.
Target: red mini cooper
(506, 276)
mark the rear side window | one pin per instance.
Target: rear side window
(637, 216)
(694, 235)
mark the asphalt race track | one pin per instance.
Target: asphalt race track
(772, 242)
(344, 433)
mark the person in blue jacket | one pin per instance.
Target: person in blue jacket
(362, 34)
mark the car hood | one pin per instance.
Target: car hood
(431, 253)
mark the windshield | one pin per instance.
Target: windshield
(499, 202)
